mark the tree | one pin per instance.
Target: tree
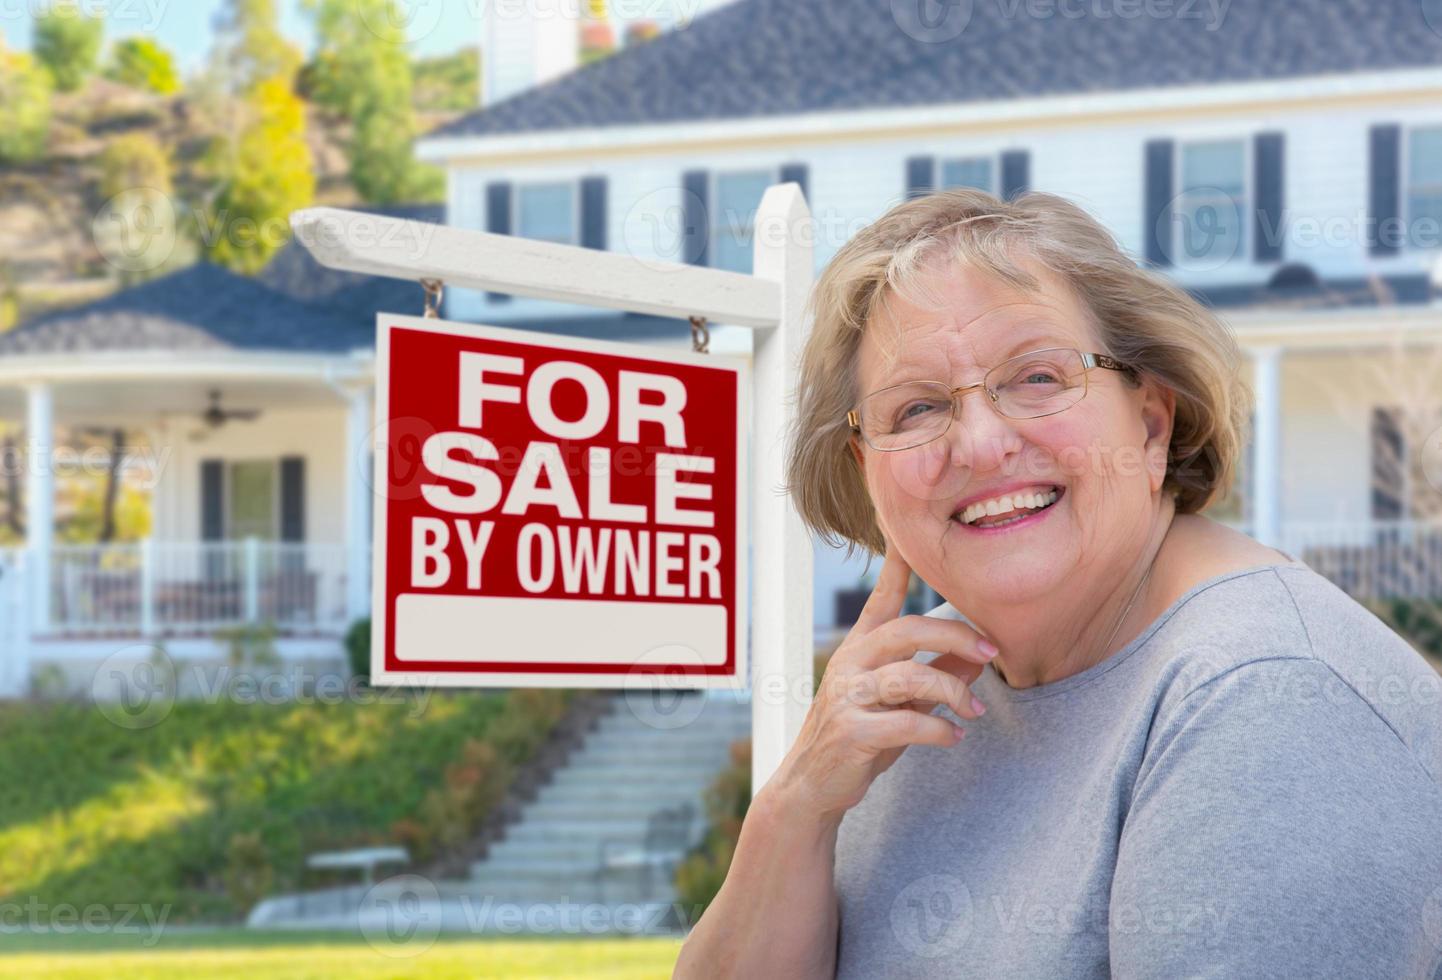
(135, 227)
(24, 107)
(142, 63)
(362, 72)
(265, 173)
(67, 43)
(263, 169)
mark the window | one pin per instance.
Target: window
(1424, 188)
(968, 172)
(251, 500)
(735, 200)
(1211, 204)
(546, 212)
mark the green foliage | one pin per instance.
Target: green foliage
(265, 173)
(248, 873)
(700, 876)
(250, 48)
(24, 108)
(250, 645)
(450, 83)
(141, 62)
(358, 647)
(98, 814)
(134, 160)
(1418, 621)
(362, 73)
(67, 42)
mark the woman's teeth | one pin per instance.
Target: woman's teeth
(1028, 502)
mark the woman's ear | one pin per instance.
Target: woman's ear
(857, 452)
(1159, 406)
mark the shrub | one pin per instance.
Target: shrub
(24, 108)
(248, 871)
(142, 63)
(67, 43)
(700, 876)
(358, 647)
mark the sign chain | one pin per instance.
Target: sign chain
(435, 289)
(700, 336)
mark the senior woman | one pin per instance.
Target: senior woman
(1185, 753)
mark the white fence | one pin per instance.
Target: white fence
(160, 588)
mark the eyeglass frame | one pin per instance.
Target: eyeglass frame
(1090, 359)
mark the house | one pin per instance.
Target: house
(1283, 162)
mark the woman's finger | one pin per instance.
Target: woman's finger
(907, 680)
(888, 595)
(905, 637)
(898, 727)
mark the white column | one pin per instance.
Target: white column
(782, 649)
(359, 423)
(39, 498)
(1267, 446)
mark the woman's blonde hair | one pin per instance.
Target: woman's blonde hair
(1142, 318)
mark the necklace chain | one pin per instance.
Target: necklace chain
(1130, 602)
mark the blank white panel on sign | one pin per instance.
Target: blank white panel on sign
(454, 628)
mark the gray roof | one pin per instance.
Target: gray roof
(776, 57)
(203, 307)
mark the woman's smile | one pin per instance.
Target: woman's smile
(1020, 512)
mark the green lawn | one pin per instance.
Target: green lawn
(314, 956)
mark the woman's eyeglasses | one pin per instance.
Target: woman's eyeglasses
(1028, 386)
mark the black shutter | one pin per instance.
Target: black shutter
(1157, 202)
(1015, 173)
(593, 212)
(212, 500)
(1389, 461)
(795, 173)
(292, 498)
(695, 191)
(498, 220)
(1386, 191)
(1271, 197)
(920, 176)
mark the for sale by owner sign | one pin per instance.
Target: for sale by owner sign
(553, 511)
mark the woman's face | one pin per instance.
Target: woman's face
(1105, 456)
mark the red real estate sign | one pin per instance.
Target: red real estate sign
(556, 512)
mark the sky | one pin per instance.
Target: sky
(437, 26)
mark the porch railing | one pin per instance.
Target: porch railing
(158, 588)
(1372, 559)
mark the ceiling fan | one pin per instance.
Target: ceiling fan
(213, 416)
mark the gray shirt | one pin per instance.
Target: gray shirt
(1250, 788)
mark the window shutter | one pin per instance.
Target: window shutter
(1386, 191)
(1389, 463)
(795, 173)
(1157, 202)
(292, 498)
(593, 212)
(212, 500)
(1271, 197)
(696, 235)
(498, 220)
(920, 176)
(1015, 173)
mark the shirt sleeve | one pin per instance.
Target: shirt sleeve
(1278, 827)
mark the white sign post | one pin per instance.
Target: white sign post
(772, 301)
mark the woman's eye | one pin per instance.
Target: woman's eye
(1040, 378)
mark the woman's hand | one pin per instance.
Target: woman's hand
(874, 700)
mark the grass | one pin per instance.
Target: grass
(204, 955)
(96, 815)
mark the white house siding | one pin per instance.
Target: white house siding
(1094, 159)
(317, 434)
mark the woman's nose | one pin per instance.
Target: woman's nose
(980, 438)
